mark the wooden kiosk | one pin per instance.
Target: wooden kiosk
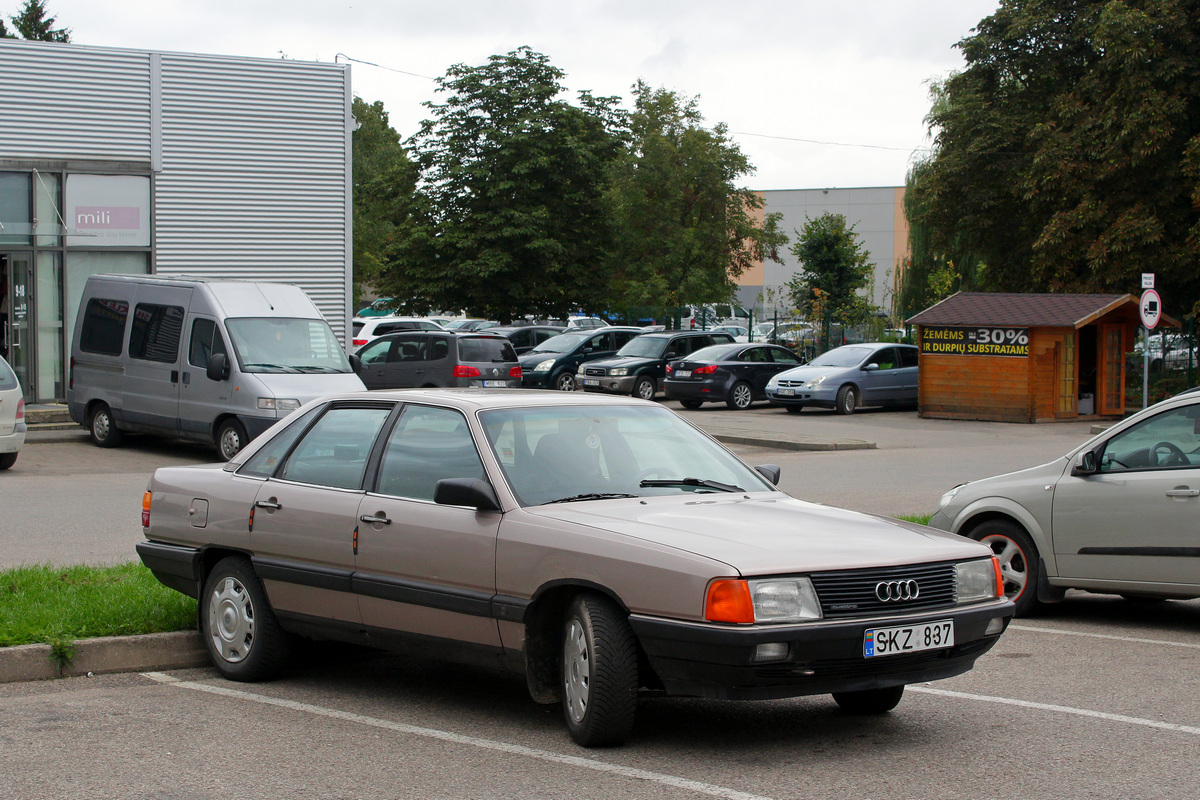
(1025, 357)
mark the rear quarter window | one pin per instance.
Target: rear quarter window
(103, 326)
(8, 378)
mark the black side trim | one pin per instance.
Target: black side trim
(511, 609)
(337, 580)
(176, 566)
(1173, 552)
(462, 601)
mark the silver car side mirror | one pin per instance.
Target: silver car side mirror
(769, 471)
(1085, 464)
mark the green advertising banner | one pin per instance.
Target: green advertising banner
(989, 341)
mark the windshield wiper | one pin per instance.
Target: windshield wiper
(274, 366)
(590, 496)
(706, 484)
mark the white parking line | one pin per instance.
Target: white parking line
(1134, 639)
(471, 741)
(1080, 712)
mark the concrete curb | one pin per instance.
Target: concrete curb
(153, 651)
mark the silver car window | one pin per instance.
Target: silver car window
(1170, 440)
(427, 445)
(334, 450)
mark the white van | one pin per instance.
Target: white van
(209, 360)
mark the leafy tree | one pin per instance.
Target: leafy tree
(384, 180)
(510, 218)
(1068, 150)
(833, 267)
(31, 22)
(4, 34)
(685, 229)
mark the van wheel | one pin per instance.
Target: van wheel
(231, 438)
(103, 430)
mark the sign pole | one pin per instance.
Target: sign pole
(1145, 365)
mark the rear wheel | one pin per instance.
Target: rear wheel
(869, 701)
(740, 396)
(565, 382)
(239, 629)
(231, 438)
(691, 403)
(847, 400)
(599, 672)
(103, 430)
(7, 460)
(1018, 558)
(644, 388)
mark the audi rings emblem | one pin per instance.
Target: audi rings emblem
(895, 591)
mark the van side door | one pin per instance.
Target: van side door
(149, 398)
(201, 400)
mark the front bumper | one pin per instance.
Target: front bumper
(535, 380)
(802, 397)
(606, 383)
(695, 659)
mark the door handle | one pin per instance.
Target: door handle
(174, 376)
(268, 504)
(1183, 492)
(375, 520)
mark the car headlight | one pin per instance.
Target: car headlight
(771, 384)
(815, 382)
(948, 496)
(769, 600)
(619, 372)
(978, 580)
(545, 366)
(284, 404)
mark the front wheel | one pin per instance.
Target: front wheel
(740, 396)
(565, 382)
(103, 430)
(869, 701)
(1018, 557)
(7, 460)
(231, 438)
(599, 672)
(644, 388)
(847, 400)
(239, 629)
(692, 404)
(794, 409)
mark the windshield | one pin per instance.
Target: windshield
(275, 344)
(555, 453)
(563, 343)
(841, 357)
(645, 347)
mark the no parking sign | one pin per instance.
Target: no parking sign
(1151, 308)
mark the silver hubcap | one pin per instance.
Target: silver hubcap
(645, 390)
(101, 425)
(231, 443)
(231, 620)
(577, 671)
(566, 383)
(741, 396)
(1013, 569)
(848, 403)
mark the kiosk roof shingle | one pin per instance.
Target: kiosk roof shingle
(1024, 310)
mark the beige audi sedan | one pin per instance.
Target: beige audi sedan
(601, 545)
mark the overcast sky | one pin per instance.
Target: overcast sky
(818, 93)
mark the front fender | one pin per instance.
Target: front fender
(992, 507)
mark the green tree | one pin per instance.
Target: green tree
(31, 22)
(1068, 150)
(833, 267)
(384, 180)
(509, 218)
(685, 230)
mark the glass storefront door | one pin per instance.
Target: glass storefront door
(16, 270)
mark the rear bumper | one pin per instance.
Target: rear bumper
(12, 442)
(717, 661)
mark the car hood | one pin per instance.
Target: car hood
(623, 361)
(807, 373)
(309, 386)
(767, 533)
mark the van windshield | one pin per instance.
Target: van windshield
(275, 344)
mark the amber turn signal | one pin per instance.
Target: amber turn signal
(146, 510)
(729, 601)
(999, 577)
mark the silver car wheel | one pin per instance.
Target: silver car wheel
(1014, 570)
(565, 382)
(644, 389)
(231, 620)
(741, 397)
(577, 671)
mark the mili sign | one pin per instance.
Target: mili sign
(108, 211)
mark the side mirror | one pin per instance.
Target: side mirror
(1085, 464)
(870, 367)
(770, 472)
(670, 354)
(218, 367)
(470, 492)
(356, 363)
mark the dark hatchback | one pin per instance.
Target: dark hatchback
(526, 337)
(552, 364)
(734, 373)
(639, 367)
(442, 359)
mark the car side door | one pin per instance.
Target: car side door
(423, 568)
(378, 363)
(880, 378)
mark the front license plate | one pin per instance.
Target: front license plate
(787, 392)
(590, 382)
(495, 384)
(908, 639)
(683, 373)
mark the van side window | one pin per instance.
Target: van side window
(103, 326)
(206, 342)
(155, 333)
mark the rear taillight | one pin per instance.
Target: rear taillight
(466, 372)
(71, 376)
(515, 372)
(359, 342)
(709, 370)
(21, 409)
(146, 510)
(670, 369)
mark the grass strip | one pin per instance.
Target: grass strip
(56, 605)
(920, 519)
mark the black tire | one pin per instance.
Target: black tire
(1018, 561)
(103, 429)
(740, 396)
(869, 701)
(7, 460)
(796, 409)
(599, 672)
(565, 382)
(644, 388)
(239, 628)
(847, 400)
(692, 404)
(231, 438)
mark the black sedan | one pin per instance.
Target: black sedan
(734, 373)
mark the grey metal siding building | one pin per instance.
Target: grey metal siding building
(178, 164)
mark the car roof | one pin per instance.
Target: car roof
(468, 399)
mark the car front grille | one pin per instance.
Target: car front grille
(854, 593)
(594, 372)
(791, 384)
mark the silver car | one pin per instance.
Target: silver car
(601, 545)
(1120, 514)
(848, 377)
(12, 416)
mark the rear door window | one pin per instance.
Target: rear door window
(334, 450)
(908, 356)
